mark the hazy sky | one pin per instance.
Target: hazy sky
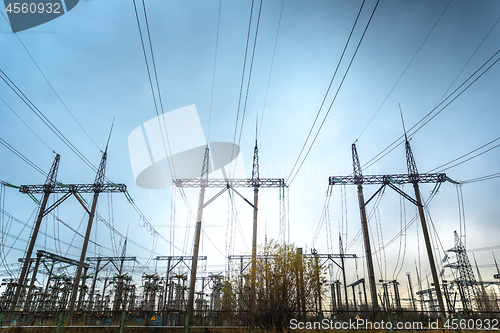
(413, 54)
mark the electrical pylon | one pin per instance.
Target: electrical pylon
(255, 182)
(466, 281)
(97, 189)
(192, 283)
(358, 180)
(412, 177)
(47, 189)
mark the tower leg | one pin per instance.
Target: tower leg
(254, 246)
(82, 258)
(428, 246)
(368, 250)
(192, 282)
(24, 270)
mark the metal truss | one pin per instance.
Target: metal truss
(111, 259)
(179, 258)
(235, 182)
(320, 256)
(386, 179)
(75, 188)
(54, 258)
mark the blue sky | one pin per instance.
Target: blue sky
(92, 56)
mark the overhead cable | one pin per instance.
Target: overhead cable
(334, 98)
(425, 120)
(404, 71)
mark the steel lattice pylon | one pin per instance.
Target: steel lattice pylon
(466, 282)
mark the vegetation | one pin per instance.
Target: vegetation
(287, 286)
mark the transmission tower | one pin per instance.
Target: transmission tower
(466, 282)
(203, 182)
(412, 177)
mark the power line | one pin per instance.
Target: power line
(215, 246)
(168, 152)
(328, 90)
(323, 215)
(271, 70)
(21, 156)
(398, 141)
(21, 119)
(458, 158)
(334, 98)
(241, 85)
(166, 144)
(50, 85)
(164, 127)
(404, 71)
(213, 75)
(484, 248)
(24, 224)
(54, 129)
(249, 75)
(483, 178)
(472, 56)
(44, 119)
(470, 158)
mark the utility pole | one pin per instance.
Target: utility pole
(192, 283)
(410, 289)
(341, 248)
(358, 180)
(225, 184)
(319, 309)
(32, 284)
(174, 261)
(46, 189)
(300, 290)
(354, 284)
(300, 256)
(255, 182)
(97, 188)
(412, 177)
(52, 186)
(99, 268)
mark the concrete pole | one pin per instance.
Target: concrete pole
(364, 292)
(320, 313)
(344, 279)
(302, 301)
(192, 282)
(82, 289)
(26, 263)
(411, 292)
(339, 294)
(82, 258)
(94, 280)
(428, 246)
(369, 260)
(334, 305)
(254, 245)
(167, 283)
(354, 297)
(32, 284)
